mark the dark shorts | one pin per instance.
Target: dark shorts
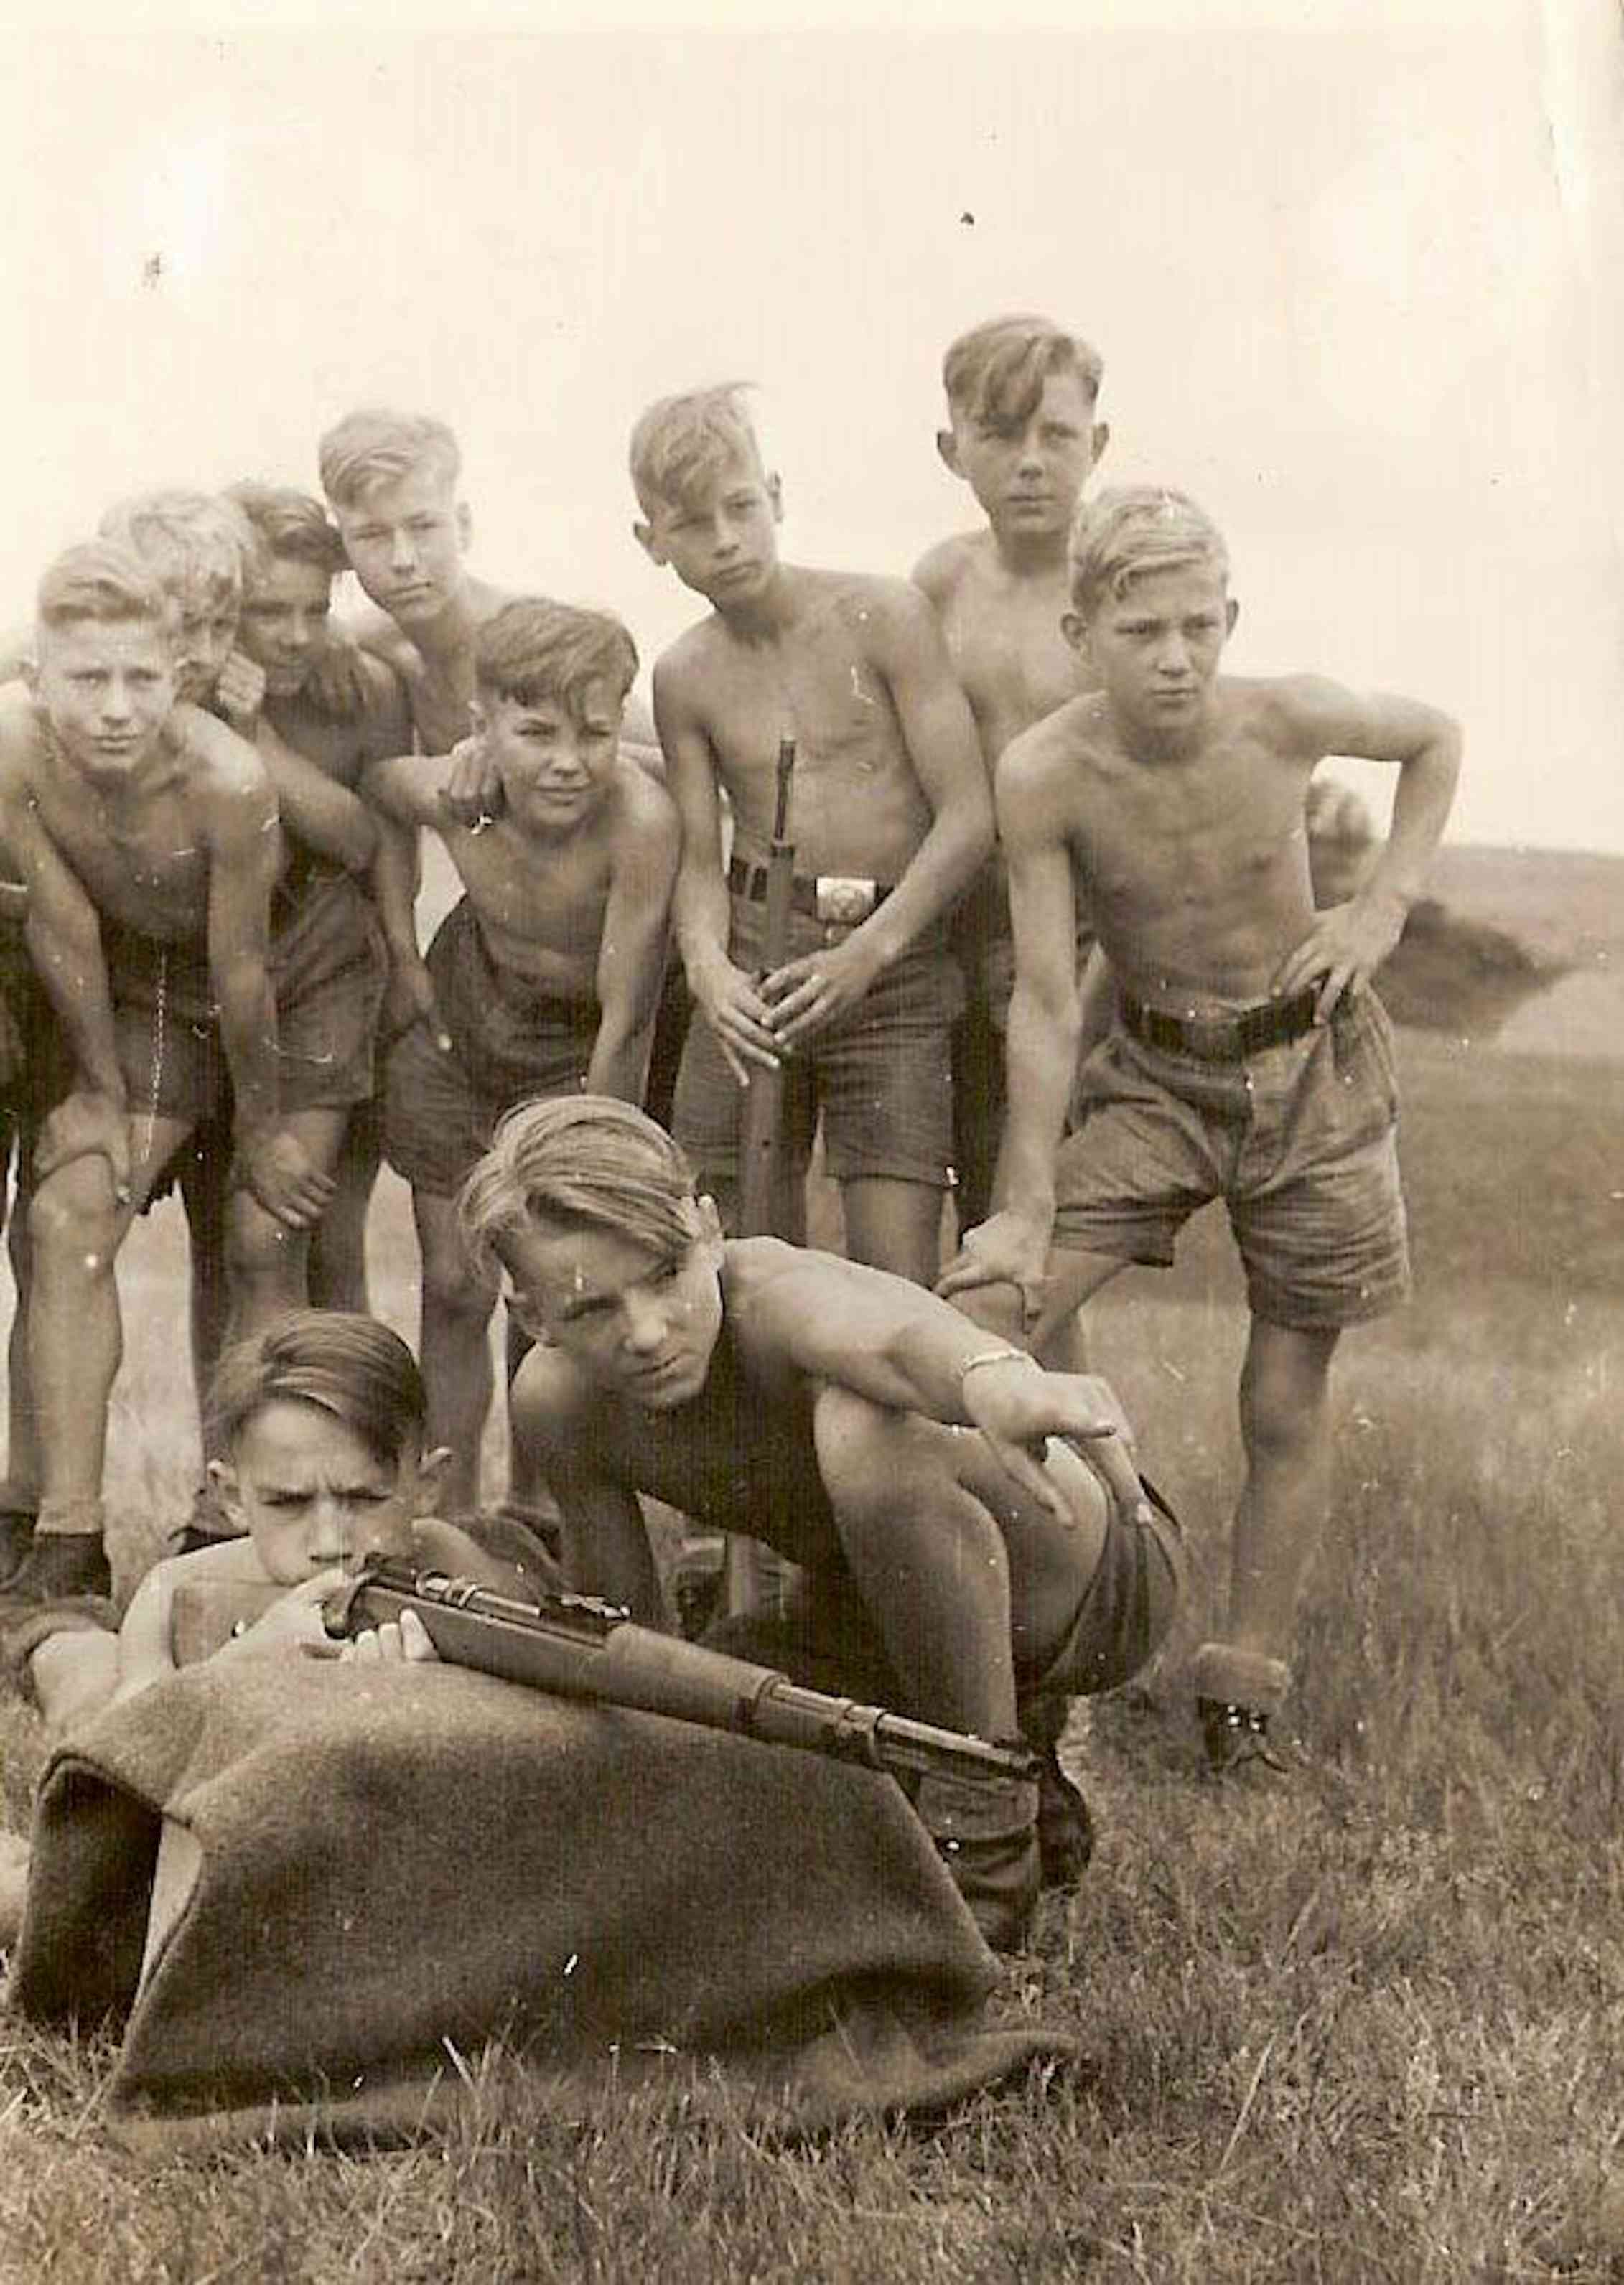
(1300, 1142)
(822, 1636)
(35, 1069)
(328, 968)
(880, 1074)
(510, 1043)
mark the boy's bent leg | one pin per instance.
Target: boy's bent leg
(1241, 1678)
(336, 1271)
(455, 1347)
(928, 1559)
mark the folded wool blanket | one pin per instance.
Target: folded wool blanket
(301, 1888)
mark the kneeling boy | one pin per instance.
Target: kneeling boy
(827, 1408)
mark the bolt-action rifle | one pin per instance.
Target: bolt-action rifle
(761, 1205)
(577, 1647)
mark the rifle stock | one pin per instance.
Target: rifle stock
(576, 1647)
(760, 1174)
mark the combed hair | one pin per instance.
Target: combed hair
(683, 443)
(288, 526)
(533, 650)
(198, 541)
(579, 1161)
(374, 445)
(102, 583)
(1133, 531)
(348, 1365)
(995, 373)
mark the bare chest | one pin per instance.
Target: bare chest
(146, 867)
(1012, 662)
(542, 909)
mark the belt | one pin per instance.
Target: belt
(1223, 1039)
(750, 883)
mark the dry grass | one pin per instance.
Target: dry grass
(1369, 2029)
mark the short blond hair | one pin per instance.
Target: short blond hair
(580, 1161)
(101, 584)
(1133, 531)
(995, 373)
(375, 445)
(198, 542)
(682, 444)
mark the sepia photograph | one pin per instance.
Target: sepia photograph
(811, 1142)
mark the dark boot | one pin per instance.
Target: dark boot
(59, 1564)
(986, 1834)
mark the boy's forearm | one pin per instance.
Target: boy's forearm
(701, 919)
(394, 886)
(1040, 1061)
(67, 957)
(323, 814)
(1421, 806)
(944, 863)
(249, 1037)
(619, 1065)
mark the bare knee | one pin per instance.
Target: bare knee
(72, 1221)
(452, 1288)
(874, 1460)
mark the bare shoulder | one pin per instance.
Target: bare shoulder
(1297, 715)
(376, 632)
(552, 1398)
(945, 567)
(771, 1284)
(645, 815)
(222, 764)
(682, 667)
(1060, 746)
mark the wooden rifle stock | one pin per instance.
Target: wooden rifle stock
(760, 1129)
(576, 1647)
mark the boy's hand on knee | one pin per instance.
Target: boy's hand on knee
(1007, 1249)
(86, 1124)
(278, 1170)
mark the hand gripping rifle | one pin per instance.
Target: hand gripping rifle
(576, 1647)
(760, 1173)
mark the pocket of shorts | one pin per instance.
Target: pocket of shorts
(1361, 1031)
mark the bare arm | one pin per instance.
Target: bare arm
(944, 748)
(244, 851)
(63, 935)
(1347, 942)
(145, 1650)
(1044, 1027)
(632, 953)
(701, 910)
(324, 815)
(897, 1344)
(407, 788)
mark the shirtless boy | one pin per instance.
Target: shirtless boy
(546, 976)
(284, 633)
(823, 1406)
(1021, 403)
(1250, 1059)
(889, 812)
(149, 840)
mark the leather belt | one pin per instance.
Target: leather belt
(1222, 1039)
(750, 883)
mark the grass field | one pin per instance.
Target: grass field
(1371, 2028)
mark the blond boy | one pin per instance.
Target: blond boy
(889, 817)
(149, 838)
(1250, 1059)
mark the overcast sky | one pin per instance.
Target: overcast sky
(1353, 284)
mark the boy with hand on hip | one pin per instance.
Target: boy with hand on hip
(1250, 1060)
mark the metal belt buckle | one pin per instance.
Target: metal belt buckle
(843, 899)
(1210, 1039)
